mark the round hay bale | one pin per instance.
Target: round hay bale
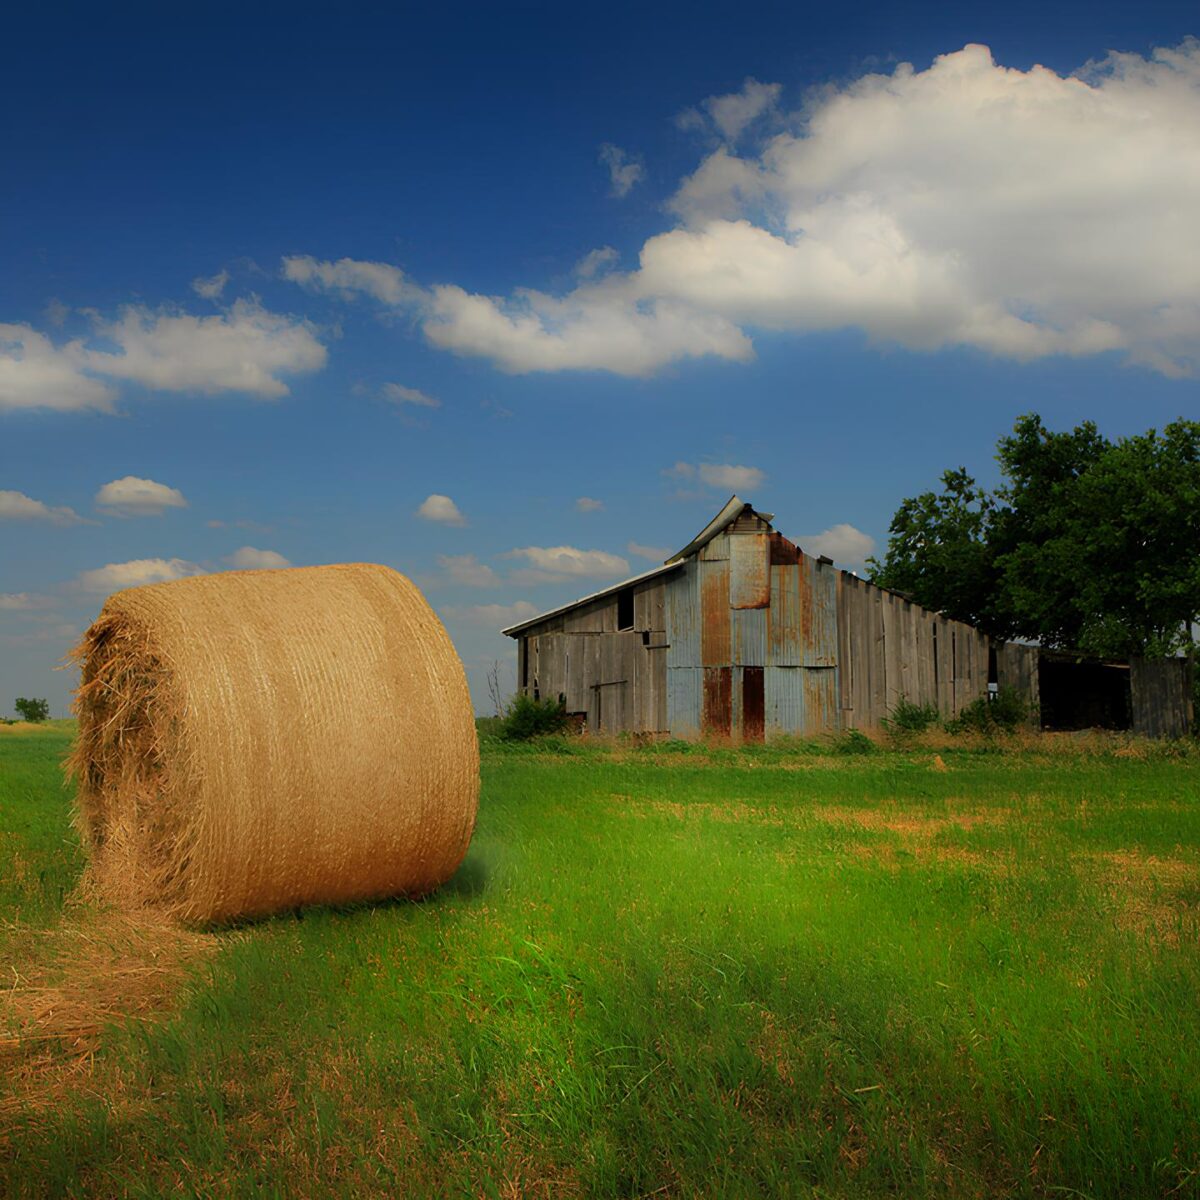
(257, 740)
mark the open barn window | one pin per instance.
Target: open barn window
(625, 609)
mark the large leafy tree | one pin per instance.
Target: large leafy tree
(1088, 544)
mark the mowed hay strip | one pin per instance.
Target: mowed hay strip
(257, 740)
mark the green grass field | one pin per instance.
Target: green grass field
(661, 971)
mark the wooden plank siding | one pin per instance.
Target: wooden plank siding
(1161, 695)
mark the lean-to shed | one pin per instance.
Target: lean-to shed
(742, 634)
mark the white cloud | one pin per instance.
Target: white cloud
(653, 553)
(589, 504)
(724, 476)
(1020, 213)
(16, 506)
(245, 349)
(348, 276)
(212, 286)
(34, 373)
(732, 113)
(623, 172)
(114, 576)
(440, 508)
(843, 543)
(250, 559)
(399, 394)
(467, 570)
(23, 602)
(496, 616)
(134, 497)
(596, 262)
(551, 563)
(599, 326)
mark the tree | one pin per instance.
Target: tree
(31, 710)
(1088, 544)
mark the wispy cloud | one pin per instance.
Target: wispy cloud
(399, 394)
(589, 504)
(249, 558)
(16, 506)
(467, 570)
(623, 172)
(550, 564)
(113, 576)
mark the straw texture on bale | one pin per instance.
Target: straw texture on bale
(257, 740)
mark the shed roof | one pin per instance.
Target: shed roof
(726, 517)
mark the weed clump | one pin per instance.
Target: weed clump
(527, 718)
(907, 717)
(854, 741)
(1005, 712)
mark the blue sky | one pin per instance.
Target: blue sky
(271, 280)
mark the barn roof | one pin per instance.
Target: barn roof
(726, 517)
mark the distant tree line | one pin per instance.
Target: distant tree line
(1087, 544)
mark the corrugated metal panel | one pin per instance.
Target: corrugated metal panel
(684, 685)
(717, 550)
(820, 646)
(714, 609)
(783, 689)
(717, 712)
(750, 575)
(785, 617)
(683, 617)
(749, 629)
(820, 700)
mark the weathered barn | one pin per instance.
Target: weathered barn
(742, 634)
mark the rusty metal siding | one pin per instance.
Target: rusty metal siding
(753, 712)
(717, 550)
(714, 613)
(749, 636)
(820, 646)
(684, 687)
(683, 617)
(820, 700)
(749, 570)
(783, 689)
(717, 713)
(787, 618)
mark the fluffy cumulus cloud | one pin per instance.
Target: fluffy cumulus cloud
(843, 543)
(397, 393)
(34, 373)
(549, 564)
(249, 558)
(965, 204)
(724, 476)
(623, 172)
(134, 497)
(441, 509)
(246, 349)
(349, 277)
(114, 576)
(494, 616)
(16, 506)
(467, 570)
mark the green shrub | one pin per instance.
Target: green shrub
(527, 718)
(854, 741)
(31, 710)
(908, 717)
(1003, 712)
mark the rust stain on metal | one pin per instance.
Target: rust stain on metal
(783, 552)
(714, 614)
(718, 700)
(753, 705)
(750, 578)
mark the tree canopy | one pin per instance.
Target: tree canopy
(1087, 544)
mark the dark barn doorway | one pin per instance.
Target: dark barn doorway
(1084, 694)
